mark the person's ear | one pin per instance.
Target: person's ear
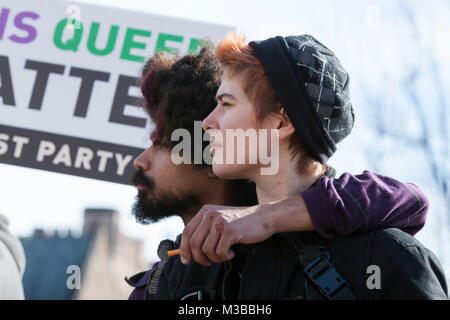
(281, 122)
(285, 127)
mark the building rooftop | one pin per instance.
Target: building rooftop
(45, 274)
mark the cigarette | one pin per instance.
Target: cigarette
(171, 253)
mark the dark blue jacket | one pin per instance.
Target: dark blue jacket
(273, 269)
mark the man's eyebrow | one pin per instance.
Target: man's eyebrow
(225, 95)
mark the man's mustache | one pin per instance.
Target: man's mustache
(139, 178)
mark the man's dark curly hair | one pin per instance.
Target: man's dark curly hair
(179, 91)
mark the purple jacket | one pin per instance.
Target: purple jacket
(346, 205)
(139, 282)
(363, 202)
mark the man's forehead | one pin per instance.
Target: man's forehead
(157, 131)
(153, 133)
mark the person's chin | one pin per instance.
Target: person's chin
(228, 171)
(143, 195)
(145, 211)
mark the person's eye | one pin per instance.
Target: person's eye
(225, 104)
(159, 144)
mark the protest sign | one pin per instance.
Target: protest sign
(69, 96)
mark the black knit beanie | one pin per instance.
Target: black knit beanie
(313, 88)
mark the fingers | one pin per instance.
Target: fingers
(185, 248)
(227, 239)
(197, 240)
(211, 241)
(218, 242)
(208, 237)
(194, 235)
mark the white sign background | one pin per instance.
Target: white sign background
(56, 114)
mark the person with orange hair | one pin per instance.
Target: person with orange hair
(179, 91)
(297, 88)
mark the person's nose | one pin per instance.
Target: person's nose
(142, 162)
(210, 122)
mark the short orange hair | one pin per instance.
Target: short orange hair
(237, 57)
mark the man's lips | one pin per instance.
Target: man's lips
(141, 181)
(143, 190)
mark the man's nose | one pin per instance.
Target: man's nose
(142, 162)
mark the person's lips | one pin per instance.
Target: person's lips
(143, 191)
(142, 182)
(213, 147)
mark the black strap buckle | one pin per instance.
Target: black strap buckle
(324, 276)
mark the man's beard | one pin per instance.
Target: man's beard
(162, 204)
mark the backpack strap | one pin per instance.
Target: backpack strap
(315, 260)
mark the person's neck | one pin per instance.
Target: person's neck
(215, 192)
(286, 182)
(190, 213)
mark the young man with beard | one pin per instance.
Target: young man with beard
(178, 92)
